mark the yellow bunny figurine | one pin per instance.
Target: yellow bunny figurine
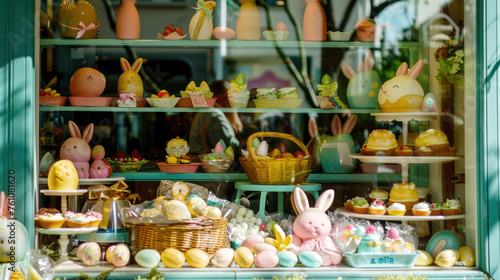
(130, 80)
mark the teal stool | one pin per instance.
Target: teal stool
(280, 189)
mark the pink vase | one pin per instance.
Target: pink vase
(314, 25)
(248, 23)
(128, 25)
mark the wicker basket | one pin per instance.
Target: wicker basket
(274, 171)
(204, 234)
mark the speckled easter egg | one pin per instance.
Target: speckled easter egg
(287, 259)
(148, 258)
(266, 259)
(120, 256)
(109, 253)
(91, 254)
(310, 259)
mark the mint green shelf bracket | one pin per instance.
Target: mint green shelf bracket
(17, 121)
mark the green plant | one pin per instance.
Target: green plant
(401, 277)
(292, 276)
(451, 62)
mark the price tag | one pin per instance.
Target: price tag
(198, 99)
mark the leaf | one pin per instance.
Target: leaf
(103, 275)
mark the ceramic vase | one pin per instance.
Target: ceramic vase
(201, 26)
(248, 23)
(314, 24)
(128, 25)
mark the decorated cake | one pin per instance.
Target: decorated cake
(433, 142)
(380, 142)
(404, 193)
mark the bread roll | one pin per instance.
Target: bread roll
(197, 206)
(175, 210)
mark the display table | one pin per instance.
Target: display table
(280, 189)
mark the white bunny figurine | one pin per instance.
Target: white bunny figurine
(312, 227)
(77, 149)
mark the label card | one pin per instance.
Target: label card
(326, 102)
(198, 99)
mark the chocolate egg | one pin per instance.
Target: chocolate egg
(266, 259)
(261, 247)
(282, 147)
(287, 259)
(244, 257)
(224, 33)
(148, 258)
(310, 259)
(223, 257)
(252, 240)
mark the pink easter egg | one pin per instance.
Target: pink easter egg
(219, 149)
(261, 247)
(252, 240)
(266, 259)
(393, 233)
(91, 254)
(225, 33)
(79, 250)
(371, 229)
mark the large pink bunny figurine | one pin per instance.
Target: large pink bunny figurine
(77, 149)
(311, 229)
(99, 168)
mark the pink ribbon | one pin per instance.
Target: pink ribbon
(84, 29)
(124, 96)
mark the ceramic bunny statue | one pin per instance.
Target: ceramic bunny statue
(402, 93)
(99, 168)
(363, 88)
(336, 149)
(77, 149)
(130, 80)
(311, 229)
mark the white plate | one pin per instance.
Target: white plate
(398, 218)
(63, 192)
(59, 231)
(88, 182)
(401, 160)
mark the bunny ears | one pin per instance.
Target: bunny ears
(74, 131)
(126, 65)
(414, 71)
(301, 203)
(365, 65)
(349, 124)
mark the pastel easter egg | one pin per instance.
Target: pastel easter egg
(261, 247)
(255, 142)
(224, 33)
(393, 233)
(109, 253)
(148, 258)
(252, 240)
(287, 259)
(219, 149)
(121, 255)
(244, 257)
(429, 103)
(266, 259)
(172, 258)
(424, 258)
(447, 258)
(467, 256)
(79, 251)
(310, 259)
(91, 254)
(223, 257)
(262, 149)
(197, 258)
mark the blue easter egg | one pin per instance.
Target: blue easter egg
(287, 259)
(311, 259)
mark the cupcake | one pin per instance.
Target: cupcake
(51, 220)
(360, 205)
(378, 195)
(94, 217)
(421, 209)
(377, 208)
(348, 205)
(44, 212)
(288, 93)
(76, 220)
(396, 209)
(452, 207)
(403, 151)
(266, 93)
(436, 209)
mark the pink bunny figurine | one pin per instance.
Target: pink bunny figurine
(311, 229)
(99, 168)
(77, 149)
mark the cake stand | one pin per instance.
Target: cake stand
(63, 194)
(403, 219)
(64, 240)
(89, 182)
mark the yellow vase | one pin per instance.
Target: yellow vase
(248, 23)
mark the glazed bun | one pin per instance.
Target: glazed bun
(431, 137)
(381, 139)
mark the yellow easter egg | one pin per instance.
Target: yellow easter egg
(467, 256)
(197, 258)
(447, 258)
(63, 176)
(424, 258)
(172, 258)
(244, 257)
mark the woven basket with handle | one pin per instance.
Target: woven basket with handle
(276, 171)
(204, 234)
